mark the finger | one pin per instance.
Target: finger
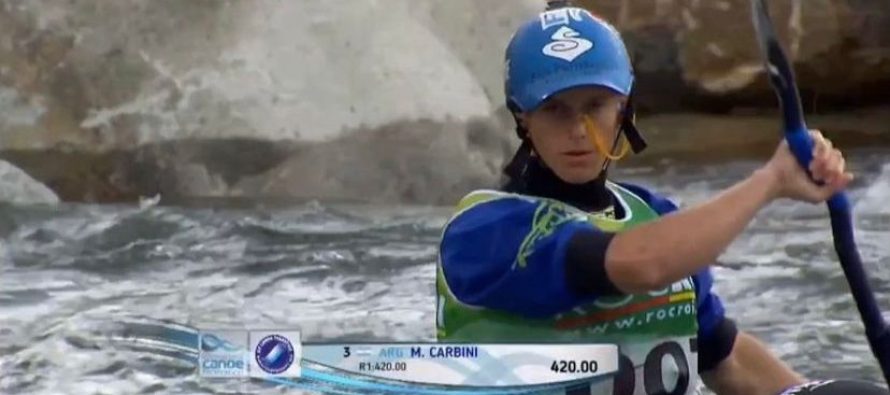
(817, 163)
(844, 180)
(820, 167)
(839, 165)
(829, 187)
(827, 147)
(833, 166)
(820, 151)
(818, 143)
(815, 133)
(841, 182)
(821, 144)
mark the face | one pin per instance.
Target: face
(559, 133)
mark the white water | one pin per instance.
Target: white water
(75, 278)
(877, 197)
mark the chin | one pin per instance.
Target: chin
(574, 176)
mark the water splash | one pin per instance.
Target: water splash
(876, 195)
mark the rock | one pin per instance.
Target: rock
(477, 33)
(716, 138)
(704, 53)
(18, 187)
(423, 162)
(112, 102)
(354, 66)
(417, 162)
(388, 101)
(174, 170)
(118, 74)
(408, 161)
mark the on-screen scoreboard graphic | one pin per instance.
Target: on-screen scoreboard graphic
(427, 368)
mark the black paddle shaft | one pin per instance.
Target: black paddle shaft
(781, 78)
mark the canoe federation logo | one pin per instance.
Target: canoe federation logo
(211, 343)
(274, 354)
(223, 353)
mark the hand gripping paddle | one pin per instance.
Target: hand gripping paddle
(781, 78)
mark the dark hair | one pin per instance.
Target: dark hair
(554, 4)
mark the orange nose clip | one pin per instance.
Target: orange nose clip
(592, 133)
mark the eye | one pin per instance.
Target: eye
(596, 106)
(550, 107)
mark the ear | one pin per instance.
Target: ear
(619, 115)
(622, 108)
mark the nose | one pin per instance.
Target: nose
(578, 127)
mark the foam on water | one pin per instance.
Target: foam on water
(876, 197)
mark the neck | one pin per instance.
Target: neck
(539, 180)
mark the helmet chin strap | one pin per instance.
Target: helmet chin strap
(609, 159)
(517, 164)
(594, 136)
(632, 135)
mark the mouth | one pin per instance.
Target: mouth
(577, 153)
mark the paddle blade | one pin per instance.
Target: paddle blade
(781, 77)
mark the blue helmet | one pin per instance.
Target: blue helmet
(561, 49)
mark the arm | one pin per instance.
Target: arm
(508, 254)
(750, 369)
(733, 362)
(659, 253)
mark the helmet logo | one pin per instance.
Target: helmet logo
(562, 16)
(567, 44)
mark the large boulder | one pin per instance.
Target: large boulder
(122, 73)
(18, 187)
(702, 55)
(111, 101)
(409, 161)
(117, 74)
